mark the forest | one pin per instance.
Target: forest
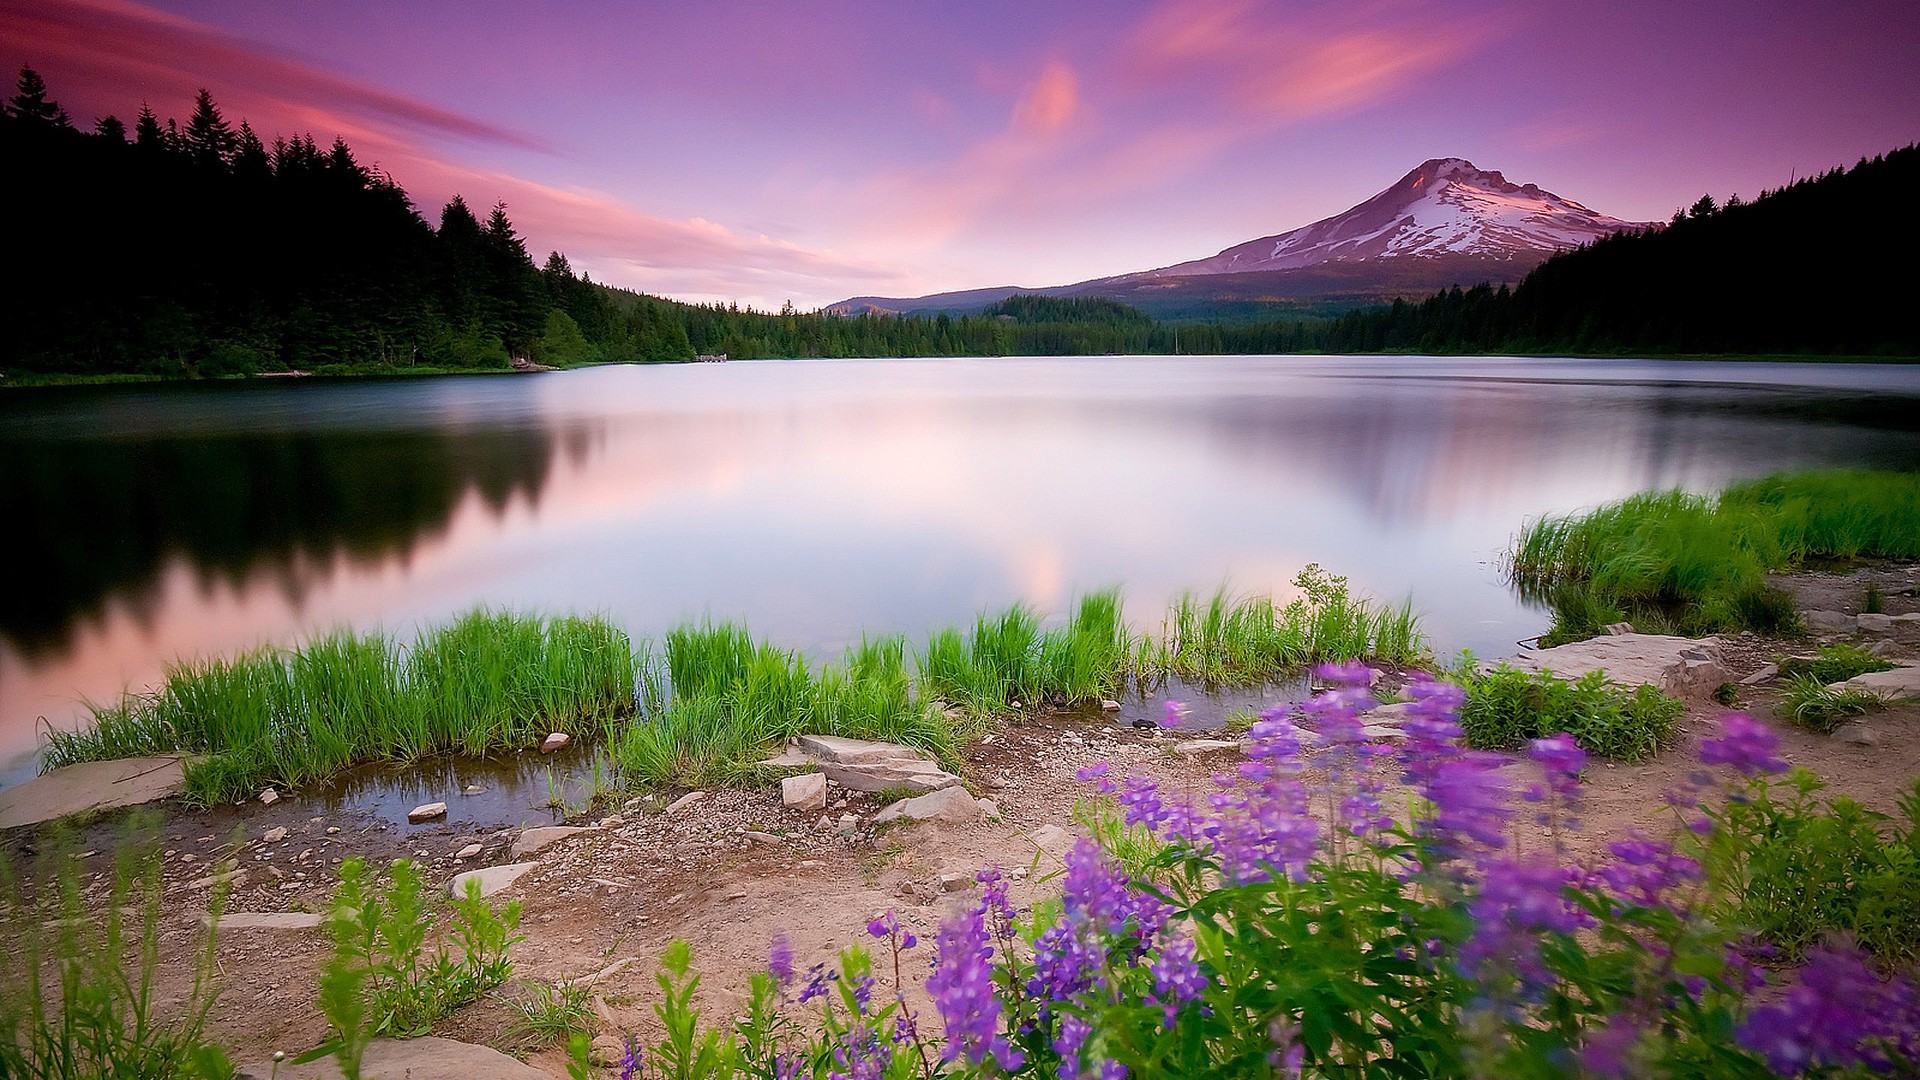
(200, 249)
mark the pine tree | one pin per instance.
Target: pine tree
(110, 127)
(146, 129)
(31, 106)
(209, 140)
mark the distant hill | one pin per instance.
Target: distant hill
(1444, 223)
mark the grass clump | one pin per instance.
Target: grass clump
(1834, 663)
(1506, 707)
(101, 1015)
(1232, 640)
(486, 682)
(1823, 708)
(1694, 564)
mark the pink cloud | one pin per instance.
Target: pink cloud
(1050, 103)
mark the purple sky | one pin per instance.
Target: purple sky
(769, 151)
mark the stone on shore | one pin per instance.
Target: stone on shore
(427, 812)
(1678, 666)
(685, 801)
(952, 805)
(92, 785)
(535, 840)
(1899, 684)
(492, 879)
(268, 920)
(426, 1058)
(1829, 621)
(1194, 747)
(913, 774)
(805, 792)
(554, 741)
(844, 751)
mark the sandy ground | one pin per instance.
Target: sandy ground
(605, 904)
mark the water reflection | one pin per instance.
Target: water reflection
(822, 500)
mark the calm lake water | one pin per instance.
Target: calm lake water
(820, 499)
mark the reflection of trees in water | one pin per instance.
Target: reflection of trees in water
(94, 520)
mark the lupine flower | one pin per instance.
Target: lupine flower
(1177, 978)
(1175, 714)
(1469, 798)
(780, 961)
(818, 976)
(1071, 1039)
(962, 988)
(1096, 774)
(1518, 901)
(1838, 1015)
(1746, 744)
(1609, 1051)
(632, 1059)
(1643, 871)
(1561, 760)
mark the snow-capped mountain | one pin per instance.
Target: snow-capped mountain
(1445, 223)
(1444, 207)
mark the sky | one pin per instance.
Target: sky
(806, 152)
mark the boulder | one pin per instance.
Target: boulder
(1767, 673)
(535, 840)
(1382, 732)
(426, 1058)
(492, 879)
(1856, 734)
(806, 792)
(1674, 665)
(951, 804)
(1899, 684)
(1192, 747)
(92, 785)
(1872, 623)
(427, 812)
(1829, 621)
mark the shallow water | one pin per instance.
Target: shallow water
(819, 500)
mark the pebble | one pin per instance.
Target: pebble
(427, 812)
(269, 797)
(685, 801)
(275, 834)
(467, 852)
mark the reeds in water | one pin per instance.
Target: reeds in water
(1671, 561)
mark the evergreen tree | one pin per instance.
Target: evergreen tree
(109, 127)
(146, 130)
(209, 140)
(31, 106)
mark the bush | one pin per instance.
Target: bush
(1824, 708)
(1505, 708)
(1282, 930)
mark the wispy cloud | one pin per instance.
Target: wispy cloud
(106, 55)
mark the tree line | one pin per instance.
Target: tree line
(201, 249)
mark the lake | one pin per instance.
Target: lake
(817, 500)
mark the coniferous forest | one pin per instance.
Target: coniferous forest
(202, 248)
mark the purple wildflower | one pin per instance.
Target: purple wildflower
(1643, 871)
(780, 961)
(1175, 714)
(1746, 744)
(1838, 1015)
(1177, 978)
(1609, 1051)
(1068, 1044)
(818, 976)
(632, 1059)
(1096, 774)
(962, 988)
(1561, 760)
(1518, 902)
(1469, 798)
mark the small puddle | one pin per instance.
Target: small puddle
(1207, 709)
(516, 789)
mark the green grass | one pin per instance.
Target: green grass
(1834, 663)
(1823, 708)
(1693, 564)
(1241, 640)
(1505, 707)
(489, 681)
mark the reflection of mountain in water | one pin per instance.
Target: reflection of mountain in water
(93, 520)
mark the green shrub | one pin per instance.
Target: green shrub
(1506, 707)
(1834, 663)
(1823, 708)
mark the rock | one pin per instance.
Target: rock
(267, 920)
(491, 878)
(1856, 734)
(805, 792)
(554, 741)
(989, 809)
(765, 838)
(1619, 629)
(737, 894)
(604, 973)
(951, 804)
(538, 839)
(1765, 674)
(1874, 623)
(849, 824)
(467, 852)
(844, 751)
(427, 812)
(1192, 747)
(685, 801)
(1052, 839)
(1899, 684)
(607, 1050)
(789, 758)
(92, 785)
(1829, 621)
(274, 835)
(914, 774)
(473, 789)
(425, 1058)
(1657, 660)
(1110, 705)
(997, 782)
(1380, 732)
(269, 797)
(956, 882)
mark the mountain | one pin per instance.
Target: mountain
(1445, 223)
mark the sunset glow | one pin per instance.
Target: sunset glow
(765, 153)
